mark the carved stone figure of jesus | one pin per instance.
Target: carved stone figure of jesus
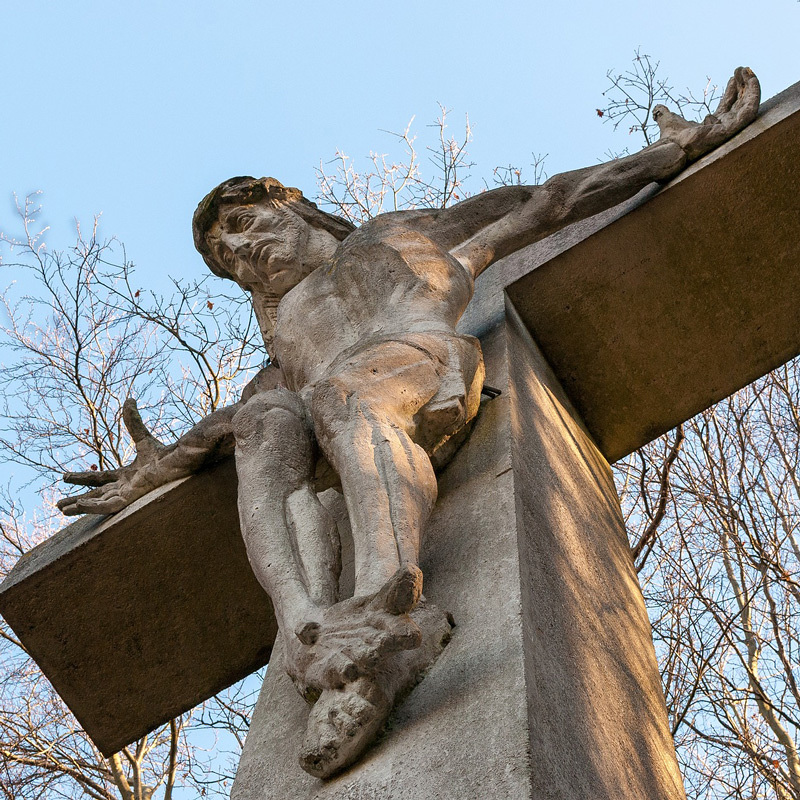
(370, 387)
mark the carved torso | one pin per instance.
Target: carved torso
(386, 280)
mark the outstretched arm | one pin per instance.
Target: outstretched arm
(489, 226)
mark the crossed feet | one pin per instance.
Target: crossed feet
(357, 662)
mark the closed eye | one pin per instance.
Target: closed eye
(246, 221)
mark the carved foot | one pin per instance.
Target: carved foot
(341, 725)
(345, 721)
(354, 637)
(358, 663)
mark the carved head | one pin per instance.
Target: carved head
(264, 235)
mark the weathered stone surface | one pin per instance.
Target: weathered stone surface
(159, 670)
(139, 617)
(551, 659)
(682, 299)
(598, 722)
(365, 335)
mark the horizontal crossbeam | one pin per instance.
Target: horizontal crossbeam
(682, 298)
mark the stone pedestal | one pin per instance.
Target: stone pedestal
(549, 687)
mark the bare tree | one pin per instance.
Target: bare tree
(392, 183)
(713, 511)
(633, 92)
(400, 181)
(712, 508)
(721, 582)
(78, 337)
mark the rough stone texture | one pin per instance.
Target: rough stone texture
(366, 341)
(123, 633)
(140, 617)
(549, 687)
(683, 299)
(378, 378)
(598, 723)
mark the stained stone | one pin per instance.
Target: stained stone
(680, 299)
(144, 615)
(534, 697)
(141, 616)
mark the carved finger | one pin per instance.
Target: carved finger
(69, 505)
(99, 505)
(69, 510)
(750, 97)
(661, 115)
(133, 421)
(729, 96)
(741, 98)
(91, 477)
(142, 438)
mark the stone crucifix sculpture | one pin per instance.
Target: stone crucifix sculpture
(370, 387)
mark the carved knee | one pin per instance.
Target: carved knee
(276, 416)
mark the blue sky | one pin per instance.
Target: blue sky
(136, 110)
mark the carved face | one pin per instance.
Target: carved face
(270, 248)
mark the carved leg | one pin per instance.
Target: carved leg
(373, 648)
(290, 538)
(364, 417)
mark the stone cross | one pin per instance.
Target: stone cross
(600, 338)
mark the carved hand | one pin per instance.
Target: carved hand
(118, 488)
(737, 109)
